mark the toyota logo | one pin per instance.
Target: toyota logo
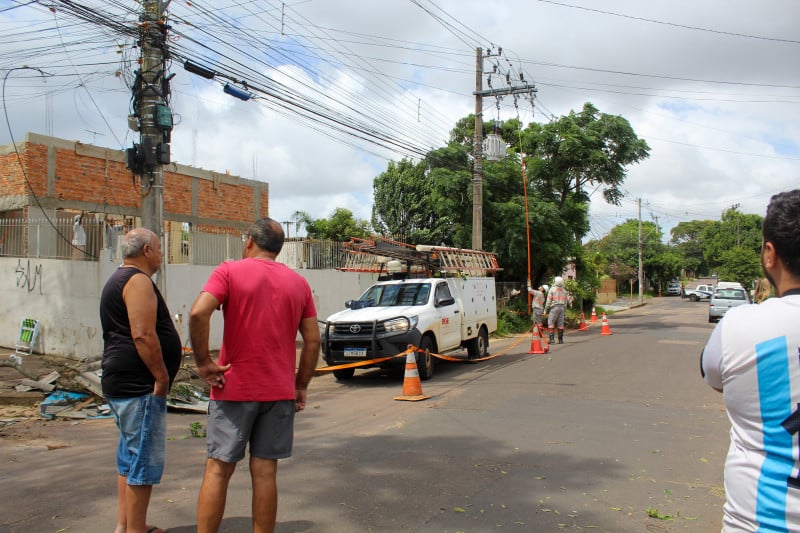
(355, 328)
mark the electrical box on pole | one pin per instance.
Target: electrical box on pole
(153, 119)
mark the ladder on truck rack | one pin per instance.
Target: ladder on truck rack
(374, 254)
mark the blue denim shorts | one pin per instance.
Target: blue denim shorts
(142, 423)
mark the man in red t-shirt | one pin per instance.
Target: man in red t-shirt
(254, 388)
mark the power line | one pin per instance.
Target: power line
(685, 26)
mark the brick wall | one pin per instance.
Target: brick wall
(94, 179)
(11, 178)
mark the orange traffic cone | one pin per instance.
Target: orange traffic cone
(412, 386)
(538, 346)
(605, 329)
(545, 342)
(582, 324)
(594, 315)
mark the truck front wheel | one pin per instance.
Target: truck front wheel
(424, 358)
(343, 374)
(479, 346)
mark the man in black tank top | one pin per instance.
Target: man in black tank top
(141, 356)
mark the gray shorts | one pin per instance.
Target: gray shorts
(267, 426)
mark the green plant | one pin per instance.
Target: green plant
(197, 430)
(510, 322)
(653, 513)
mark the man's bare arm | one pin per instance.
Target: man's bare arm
(142, 305)
(199, 329)
(309, 356)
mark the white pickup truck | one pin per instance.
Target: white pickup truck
(701, 292)
(434, 314)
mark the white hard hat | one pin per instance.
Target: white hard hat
(546, 288)
(559, 281)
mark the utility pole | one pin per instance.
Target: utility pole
(153, 118)
(641, 245)
(477, 167)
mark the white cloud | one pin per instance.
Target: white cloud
(712, 144)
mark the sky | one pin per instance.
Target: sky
(713, 86)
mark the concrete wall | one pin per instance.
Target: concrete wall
(64, 297)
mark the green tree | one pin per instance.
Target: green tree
(665, 266)
(734, 230)
(401, 203)
(618, 254)
(340, 226)
(740, 264)
(688, 239)
(431, 201)
(582, 150)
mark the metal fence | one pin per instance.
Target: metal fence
(51, 238)
(184, 244)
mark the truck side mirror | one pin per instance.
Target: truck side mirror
(441, 302)
(348, 303)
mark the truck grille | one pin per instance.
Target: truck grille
(356, 329)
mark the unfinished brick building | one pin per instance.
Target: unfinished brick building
(53, 180)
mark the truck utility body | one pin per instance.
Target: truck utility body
(435, 314)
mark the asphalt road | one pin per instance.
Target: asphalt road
(603, 434)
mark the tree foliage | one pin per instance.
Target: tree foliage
(431, 201)
(734, 230)
(618, 254)
(687, 237)
(340, 226)
(582, 150)
(728, 248)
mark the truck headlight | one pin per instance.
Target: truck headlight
(397, 325)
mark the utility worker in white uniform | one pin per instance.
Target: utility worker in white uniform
(537, 303)
(557, 298)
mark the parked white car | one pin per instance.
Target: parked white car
(674, 288)
(724, 299)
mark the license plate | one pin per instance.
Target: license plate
(355, 352)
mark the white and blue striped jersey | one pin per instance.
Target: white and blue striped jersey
(753, 355)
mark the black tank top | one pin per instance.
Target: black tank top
(124, 373)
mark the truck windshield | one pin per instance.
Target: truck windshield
(397, 295)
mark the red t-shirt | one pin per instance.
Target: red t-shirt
(263, 303)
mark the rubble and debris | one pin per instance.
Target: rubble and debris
(72, 405)
(91, 380)
(44, 384)
(185, 396)
(69, 389)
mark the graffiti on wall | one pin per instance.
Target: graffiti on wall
(27, 279)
